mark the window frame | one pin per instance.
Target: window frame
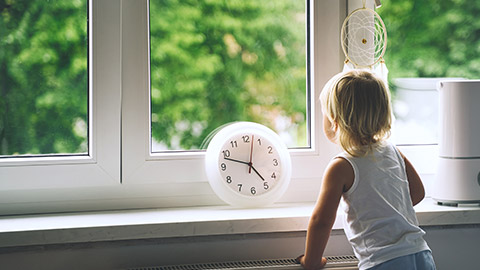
(119, 172)
(21, 176)
(140, 166)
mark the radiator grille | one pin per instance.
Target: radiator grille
(333, 262)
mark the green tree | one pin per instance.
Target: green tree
(43, 77)
(432, 38)
(214, 62)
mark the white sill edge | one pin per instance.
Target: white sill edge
(200, 221)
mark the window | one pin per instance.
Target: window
(427, 41)
(120, 170)
(40, 176)
(214, 62)
(180, 176)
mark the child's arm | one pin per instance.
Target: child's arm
(338, 177)
(417, 191)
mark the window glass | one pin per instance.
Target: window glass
(427, 40)
(216, 61)
(43, 77)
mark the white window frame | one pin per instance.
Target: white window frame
(27, 181)
(120, 172)
(169, 172)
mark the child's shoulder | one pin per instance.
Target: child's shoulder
(340, 164)
(341, 171)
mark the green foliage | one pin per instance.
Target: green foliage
(43, 77)
(432, 38)
(214, 62)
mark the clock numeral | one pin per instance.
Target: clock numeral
(234, 144)
(275, 162)
(246, 139)
(253, 191)
(226, 153)
(259, 142)
(270, 150)
(265, 185)
(274, 176)
(239, 187)
(229, 179)
(224, 166)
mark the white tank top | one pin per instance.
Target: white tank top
(380, 222)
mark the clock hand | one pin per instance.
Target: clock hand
(239, 161)
(251, 153)
(246, 163)
(257, 172)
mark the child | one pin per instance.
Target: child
(379, 186)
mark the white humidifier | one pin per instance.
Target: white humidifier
(458, 174)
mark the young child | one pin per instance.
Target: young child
(379, 186)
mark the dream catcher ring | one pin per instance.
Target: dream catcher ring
(363, 38)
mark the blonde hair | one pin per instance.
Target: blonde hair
(357, 103)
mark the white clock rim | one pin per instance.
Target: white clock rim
(222, 189)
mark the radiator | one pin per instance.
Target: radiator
(333, 262)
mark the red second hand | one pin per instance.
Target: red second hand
(251, 152)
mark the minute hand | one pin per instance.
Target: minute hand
(239, 161)
(257, 172)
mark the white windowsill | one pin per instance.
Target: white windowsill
(18, 231)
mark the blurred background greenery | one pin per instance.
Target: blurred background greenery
(432, 38)
(43, 77)
(428, 41)
(212, 62)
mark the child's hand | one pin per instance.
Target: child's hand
(301, 260)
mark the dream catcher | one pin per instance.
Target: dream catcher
(364, 41)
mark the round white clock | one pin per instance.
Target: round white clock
(248, 165)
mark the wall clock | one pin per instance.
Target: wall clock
(247, 165)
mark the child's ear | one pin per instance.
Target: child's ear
(335, 126)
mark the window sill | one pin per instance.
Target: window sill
(18, 231)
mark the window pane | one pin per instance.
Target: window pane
(43, 77)
(216, 61)
(427, 40)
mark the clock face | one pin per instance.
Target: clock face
(249, 164)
